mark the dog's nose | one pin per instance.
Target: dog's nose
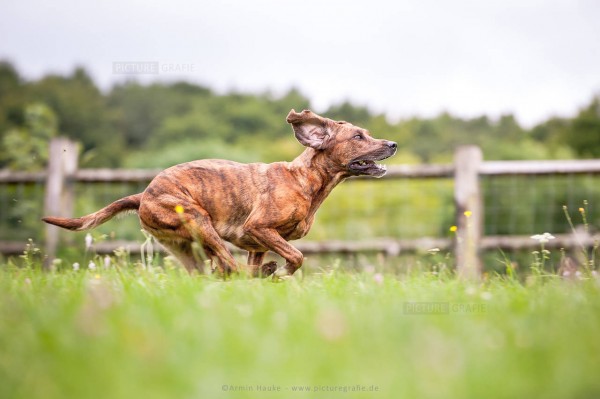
(392, 145)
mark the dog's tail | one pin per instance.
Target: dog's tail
(131, 203)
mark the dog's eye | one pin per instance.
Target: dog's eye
(358, 137)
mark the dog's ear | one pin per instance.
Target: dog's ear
(310, 129)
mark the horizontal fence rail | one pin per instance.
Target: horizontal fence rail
(540, 168)
(13, 176)
(466, 173)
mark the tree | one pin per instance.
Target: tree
(584, 133)
(138, 111)
(82, 114)
(346, 111)
(26, 147)
(12, 97)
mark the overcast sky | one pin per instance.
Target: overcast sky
(404, 58)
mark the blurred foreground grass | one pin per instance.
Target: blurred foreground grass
(134, 333)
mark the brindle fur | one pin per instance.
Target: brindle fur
(257, 207)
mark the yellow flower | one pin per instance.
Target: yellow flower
(453, 229)
(468, 213)
(581, 210)
(179, 209)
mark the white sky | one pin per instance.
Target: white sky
(404, 58)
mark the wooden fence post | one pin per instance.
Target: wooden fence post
(58, 200)
(469, 211)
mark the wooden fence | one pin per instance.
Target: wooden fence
(63, 172)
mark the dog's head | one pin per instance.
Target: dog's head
(350, 147)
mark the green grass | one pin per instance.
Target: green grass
(127, 332)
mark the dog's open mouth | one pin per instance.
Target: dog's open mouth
(369, 166)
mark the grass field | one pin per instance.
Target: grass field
(130, 332)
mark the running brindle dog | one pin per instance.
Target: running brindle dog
(257, 207)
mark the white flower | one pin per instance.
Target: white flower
(92, 266)
(370, 269)
(378, 278)
(486, 296)
(88, 241)
(543, 238)
(75, 266)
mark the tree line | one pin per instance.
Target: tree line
(160, 124)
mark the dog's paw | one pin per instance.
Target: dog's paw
(281, 274)
(267, 269)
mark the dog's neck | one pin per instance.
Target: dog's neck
(317, 173)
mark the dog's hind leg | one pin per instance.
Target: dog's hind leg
(204, 233)
(184, 252)
(179, 221)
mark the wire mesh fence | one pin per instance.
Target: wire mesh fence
(527, 205)
(21, 208)
(469, 206)
(357, 209)
(397, 208)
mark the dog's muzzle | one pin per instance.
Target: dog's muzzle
(367, 164)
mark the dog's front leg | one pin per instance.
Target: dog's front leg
(270, 238)
(256, 266)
